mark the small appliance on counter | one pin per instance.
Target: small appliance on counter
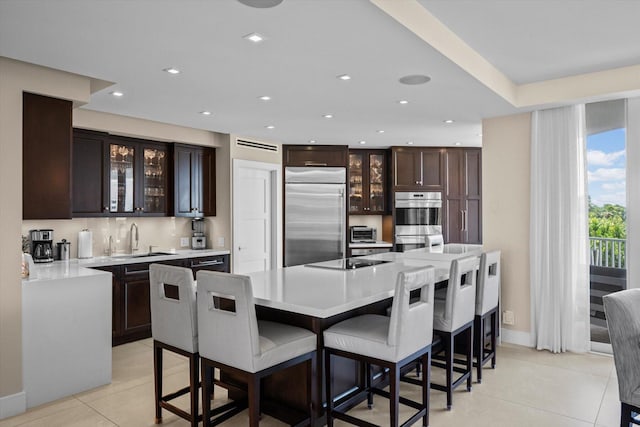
(363, 234)
(41, 245)
(198, 238)
(64, 250)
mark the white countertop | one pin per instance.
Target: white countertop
(377, 244)
(82, 267)
(323, 293)
(449, 252)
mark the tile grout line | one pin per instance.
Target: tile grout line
(102, 415)
(604, 393)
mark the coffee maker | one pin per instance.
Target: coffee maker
(41, 245)
(198, 238)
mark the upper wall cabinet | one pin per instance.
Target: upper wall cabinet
(194, 181)
(119, 176)
(46, 157)
(418, 169)
(315, 155)
(368, 182)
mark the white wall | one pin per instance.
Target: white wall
(506, 158)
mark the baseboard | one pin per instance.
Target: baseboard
(13, 405)
(600, 347)
(516, 337)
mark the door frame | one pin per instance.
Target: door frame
(275, 170)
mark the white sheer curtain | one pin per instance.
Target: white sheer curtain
(559, 233)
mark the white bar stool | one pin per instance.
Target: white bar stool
(234, 341)
(390, 342)
(487, 294)
(174, 328)
(453, 316)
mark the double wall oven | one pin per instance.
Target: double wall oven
(418, 219)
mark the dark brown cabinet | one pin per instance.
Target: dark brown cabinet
(418, 169)
(131, 305)
(463, 196)
(315, 155)
(194, 181)
(368, 182)
(89, 189)
(46, 157)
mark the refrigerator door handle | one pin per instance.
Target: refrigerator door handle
(343, 223)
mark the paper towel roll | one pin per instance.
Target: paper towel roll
(85, 244)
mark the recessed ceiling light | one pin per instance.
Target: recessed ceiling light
(261, 4)
(380, 131)
(254, 37)
(328, 116)
(403, 101)
(448, 121)
(458, 143)
(205, 113)
(171, 70)
(344, 77)
(312, 141)
(117, 94)
(265, 98)
(363, 142)
(414, 79)
(270, 127)
(409, 142)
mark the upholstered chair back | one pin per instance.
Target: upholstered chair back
(461, 293)
(173, 306)
(227, 319)
(622, 310)
(411, 324)
(488, 284)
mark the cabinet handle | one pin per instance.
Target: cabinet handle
(466, 220)
(310, 163)
(461, 220)
(207, 263)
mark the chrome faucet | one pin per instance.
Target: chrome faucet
(110, 250)
(131, 237)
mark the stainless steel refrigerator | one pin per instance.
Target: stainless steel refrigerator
(314, 214)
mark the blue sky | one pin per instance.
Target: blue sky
(606, 159)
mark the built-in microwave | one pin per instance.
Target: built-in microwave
(363, 234)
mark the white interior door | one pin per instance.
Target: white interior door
(254, 205)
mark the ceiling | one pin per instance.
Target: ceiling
(308, 43)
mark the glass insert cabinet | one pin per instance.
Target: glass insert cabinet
(367, 179)
(137, 178)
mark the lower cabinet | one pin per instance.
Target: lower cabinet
(131, 319)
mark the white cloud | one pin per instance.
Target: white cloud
(614, 186)
(619, 198)
(607, 174)
(600, 158)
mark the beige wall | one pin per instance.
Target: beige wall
(16, 77)
(505, 197)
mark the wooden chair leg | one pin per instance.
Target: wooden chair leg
(327, 375)
(448, 354)
(310, 387)
(426, 385)
(207, 389)
(157, 380)
(367, 373)
(253, 386)
(479, 345)
(394, 395)
(494, 335)
(625, 415)
(470, 356)
(194, 379)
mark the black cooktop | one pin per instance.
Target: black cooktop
(347, 263)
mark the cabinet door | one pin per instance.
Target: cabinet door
(433, 166)
(377, 183)
(46, 157)
(315, 155)
(473, 172)
(207, 205)
(90, 197)
(121, 178)
(454, 221)
(154, 182)
(455, 168)
(356, 186)
(473, 222)
(407, 168)
(137, 303)
(184, 205)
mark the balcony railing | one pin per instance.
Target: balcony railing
(606, 252)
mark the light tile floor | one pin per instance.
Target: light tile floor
(527, 388)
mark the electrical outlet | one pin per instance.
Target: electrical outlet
(184, 242)
(221, 242)
(508, 318)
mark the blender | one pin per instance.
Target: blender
(198, 238)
